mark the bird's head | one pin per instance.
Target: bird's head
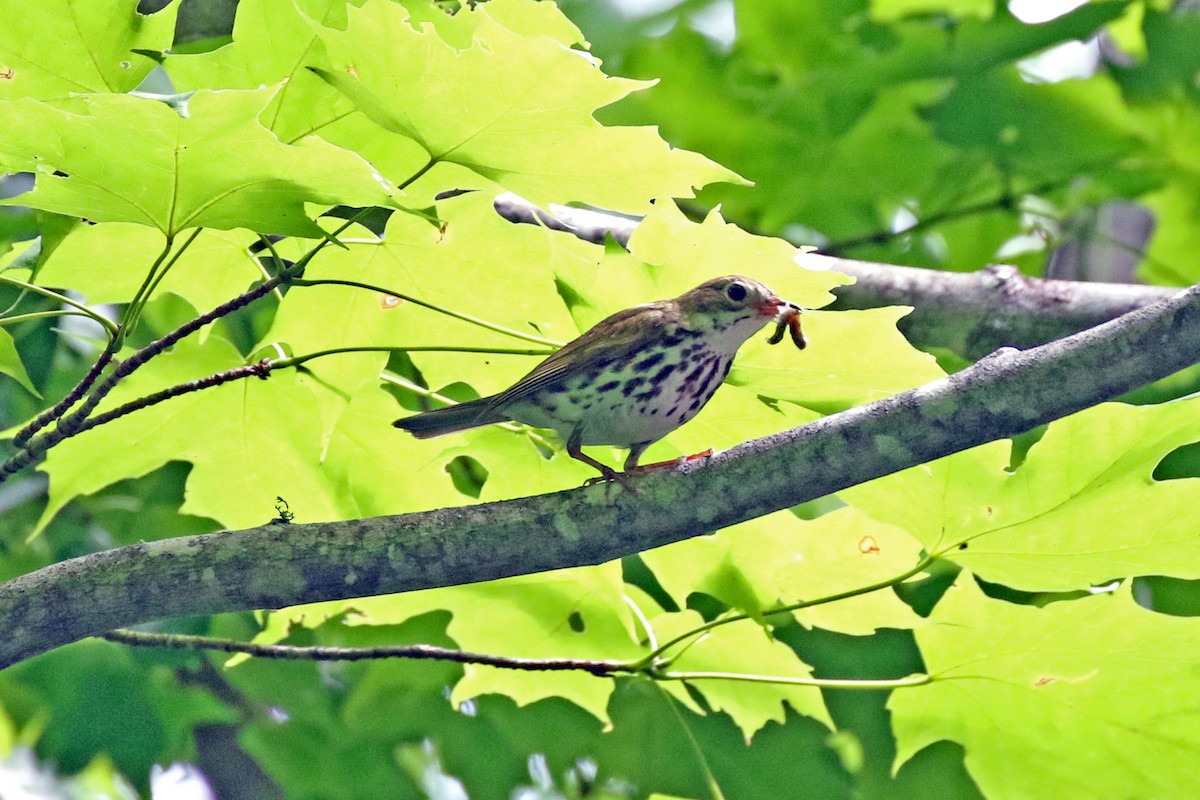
(731, 302)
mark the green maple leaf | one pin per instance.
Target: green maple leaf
(272, 41)
(1063, 520)
(105, 263)
(377, 469)
(1093, 697)
(260, 440)
(570, 613)
(216, 167)
(452, 88)
(740, 649)
(476, 264)
(69, 47)
(780, 558)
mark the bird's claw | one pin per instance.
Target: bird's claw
(611, 476)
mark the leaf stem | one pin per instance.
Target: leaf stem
(918, 679)
(296, 361)
(16, 318)
(656, 655)
(162, 273)
(714, 787)
(134, 308)
(107, 324)
(491, 326)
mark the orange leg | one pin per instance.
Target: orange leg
(673, 462)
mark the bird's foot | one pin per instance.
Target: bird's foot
(669, 463)
(610, 476)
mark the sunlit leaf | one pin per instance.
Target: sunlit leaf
(1081, 510)
(70, 47)
(526, 137)
(1102, 695)
(217, 167)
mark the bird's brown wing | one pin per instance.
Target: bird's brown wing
(614, 338)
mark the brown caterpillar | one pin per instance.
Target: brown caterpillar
(790, 321)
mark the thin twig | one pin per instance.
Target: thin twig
(601, 668)
(174, 641)
(259, 369)
(1007, 200)
(61, 407)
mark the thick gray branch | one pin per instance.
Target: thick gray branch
(969, 313)
(279, 565)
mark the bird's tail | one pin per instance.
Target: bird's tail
(450, 419)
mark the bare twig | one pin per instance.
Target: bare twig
(72, 397)
(315, 653)
(601, 668)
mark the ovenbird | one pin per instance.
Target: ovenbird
(634, 377)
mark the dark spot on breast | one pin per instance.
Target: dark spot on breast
(555, 388)
(608, 387)
(664, 373)
(671, 410)
(631, 385)
(649, 361)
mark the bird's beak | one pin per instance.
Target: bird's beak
(778, 309)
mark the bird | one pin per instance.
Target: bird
(632, 378)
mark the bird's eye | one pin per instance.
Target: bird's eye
(736, 292)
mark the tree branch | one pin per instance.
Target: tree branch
(969, 313)
(278, 565)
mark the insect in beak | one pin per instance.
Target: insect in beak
(789, 319)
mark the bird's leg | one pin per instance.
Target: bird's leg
(607, 473)
(673, 462)
(635, 452)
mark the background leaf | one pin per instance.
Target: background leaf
(74, 47)
(217, 167)
(1072, 673)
